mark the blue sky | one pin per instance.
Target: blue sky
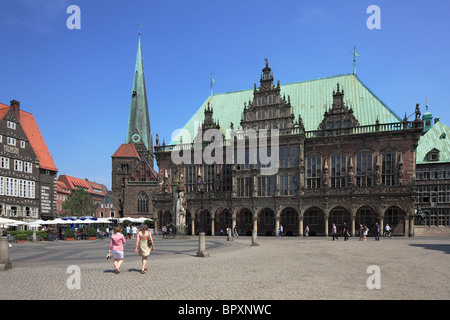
(77, 83)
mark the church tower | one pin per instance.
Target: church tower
(139, 132)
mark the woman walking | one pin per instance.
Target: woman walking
(142, 245)
(116, 246)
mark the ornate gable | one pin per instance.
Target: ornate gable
(339, 116)
(268, 110)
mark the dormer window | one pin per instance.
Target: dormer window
(433, 155)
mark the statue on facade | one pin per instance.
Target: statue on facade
(181, 210)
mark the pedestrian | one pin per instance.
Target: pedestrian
(134, 230)
(164, 231)
(128, 232)
(377, 231)
(236, 234)
(116, 247)
(307, 231)
(346, 233)
(280, 231)
(334, 232)
(361, 232)
(366, 232)
(142, 245)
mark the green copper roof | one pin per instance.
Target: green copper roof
(309, 98)
(138, 121)
(438, 137)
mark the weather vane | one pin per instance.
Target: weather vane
(140, 26)
(211, 83)
(355, 55)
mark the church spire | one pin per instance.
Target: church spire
(139, 131)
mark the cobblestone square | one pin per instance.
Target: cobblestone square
(288, 268)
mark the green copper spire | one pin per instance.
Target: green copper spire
(139, 131)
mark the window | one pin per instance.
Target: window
(288, 185)
(338, 176)
(22, 144)
(268, 216)
(11, 125)
(312, 218)
(14, 212)
(388, 169)
(142, 203)
(288, 156)
(28, 167)
(226, 177)
(266, 186)
(208, 174)
(189, 178)
(18, 165)
(244, 187)
(11, 141)
(260, 114)
(364, 169)
(313, 166)
(272, 113)
(4, 163)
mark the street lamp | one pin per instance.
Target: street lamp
(201, 235)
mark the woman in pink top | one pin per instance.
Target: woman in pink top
(116, 246)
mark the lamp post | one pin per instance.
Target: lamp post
(201, 235)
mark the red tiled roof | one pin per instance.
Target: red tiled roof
(73, 183)
(61, 187)
(34, 135)
(126, 150)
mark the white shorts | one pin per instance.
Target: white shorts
(117, 254)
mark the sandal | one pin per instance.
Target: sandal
(117, 271)
(142, 272)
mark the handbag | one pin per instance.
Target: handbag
(108, 256)
(149, 242)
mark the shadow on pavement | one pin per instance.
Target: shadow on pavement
(439, 247)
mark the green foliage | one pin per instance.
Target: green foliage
(150, 224)
(91, 232)
(126, 223)
(69, 233)
(42, 234)
(21, 236)
(79, 203)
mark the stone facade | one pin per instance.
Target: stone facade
(343, 172)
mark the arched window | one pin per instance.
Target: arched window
(142, 203)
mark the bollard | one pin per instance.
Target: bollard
(5, 264)
(202, 246)
(254, 243)
(229, 235)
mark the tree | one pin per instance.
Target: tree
(79, 203)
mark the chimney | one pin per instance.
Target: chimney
(15, 105)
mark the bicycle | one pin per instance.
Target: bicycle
(387, 234)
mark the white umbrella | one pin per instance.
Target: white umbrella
(7, 221)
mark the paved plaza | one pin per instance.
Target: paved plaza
(288, 268)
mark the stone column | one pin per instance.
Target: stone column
(277, 225)
(300, 225)
(193, 224)
(255, 232)
(327, 217)
(212, 226)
